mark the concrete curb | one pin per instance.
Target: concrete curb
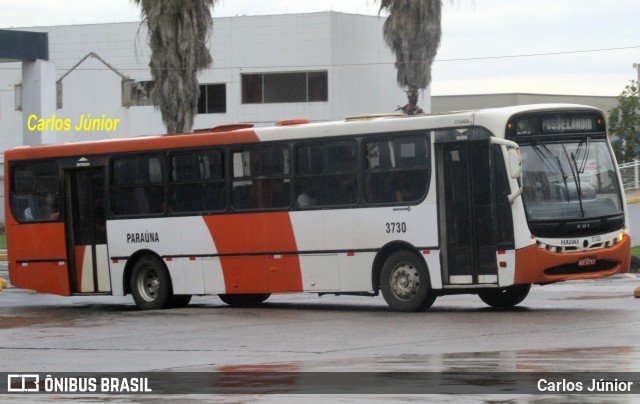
(633, 200)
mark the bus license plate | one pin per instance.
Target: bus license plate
(587, 262)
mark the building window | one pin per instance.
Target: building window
(263, 88)
(18, 96)
(136, 93)
(213, 99)
(59, 94)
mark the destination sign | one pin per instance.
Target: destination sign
(551, 124)
(564, 124)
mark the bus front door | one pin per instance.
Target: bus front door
(86, 230)
(466, 212)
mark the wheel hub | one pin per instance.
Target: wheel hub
(150, 284)
(405, 281)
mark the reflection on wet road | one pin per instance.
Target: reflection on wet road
(586, 326)
(609, 359)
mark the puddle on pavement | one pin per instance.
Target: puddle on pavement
(485, 372)
(592, 359)
(599, 297)
(46, 317)
(15, 322)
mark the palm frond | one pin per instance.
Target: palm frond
(178, 35)
(412, 31)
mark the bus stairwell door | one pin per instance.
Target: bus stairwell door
(86, 230)
(467, 213)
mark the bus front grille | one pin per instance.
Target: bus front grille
(569, 269)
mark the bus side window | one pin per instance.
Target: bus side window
(396, 170)
(261, 178)
(342, 162)
(197, 181)
(34, 192)
(326, 174)
(137, 185)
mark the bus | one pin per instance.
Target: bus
(485, 202)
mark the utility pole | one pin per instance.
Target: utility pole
(637, 66)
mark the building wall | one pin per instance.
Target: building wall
(267, 44)
(359, 52)
(361, 75)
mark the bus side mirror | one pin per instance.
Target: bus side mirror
(515, 163)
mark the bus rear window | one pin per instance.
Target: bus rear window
(34, 191)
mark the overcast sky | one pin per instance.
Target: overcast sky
(479, 38)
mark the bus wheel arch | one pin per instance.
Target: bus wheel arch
(403, 276)
(505, 297)
(147, 278)
(244, 299)
(128, 268)
(381, 257)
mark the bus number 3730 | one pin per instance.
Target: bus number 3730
(396, 227)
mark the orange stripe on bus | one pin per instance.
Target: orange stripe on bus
(255, 235)
(129, 144)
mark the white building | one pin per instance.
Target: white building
(320, 66)
(444, 103)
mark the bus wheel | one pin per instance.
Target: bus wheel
(180, 301)
(405, 283)
(150, 284)
(505, 297)
(244, 300)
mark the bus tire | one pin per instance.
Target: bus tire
(150, 284)
(244, 299)
(505, 297)
(405, 283)
(180, 301)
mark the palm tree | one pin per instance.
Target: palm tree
(178, 33)
(412, 31)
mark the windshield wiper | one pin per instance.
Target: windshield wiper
(575, 172)
(548, 155)
(583, 163)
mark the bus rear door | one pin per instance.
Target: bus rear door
(86, 230)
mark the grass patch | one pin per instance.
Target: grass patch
(635, 251)
(3, 240)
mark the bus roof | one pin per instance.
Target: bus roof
(493, 119)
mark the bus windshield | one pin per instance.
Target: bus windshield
(567, 180)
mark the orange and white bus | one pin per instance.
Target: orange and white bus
(484, 202)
